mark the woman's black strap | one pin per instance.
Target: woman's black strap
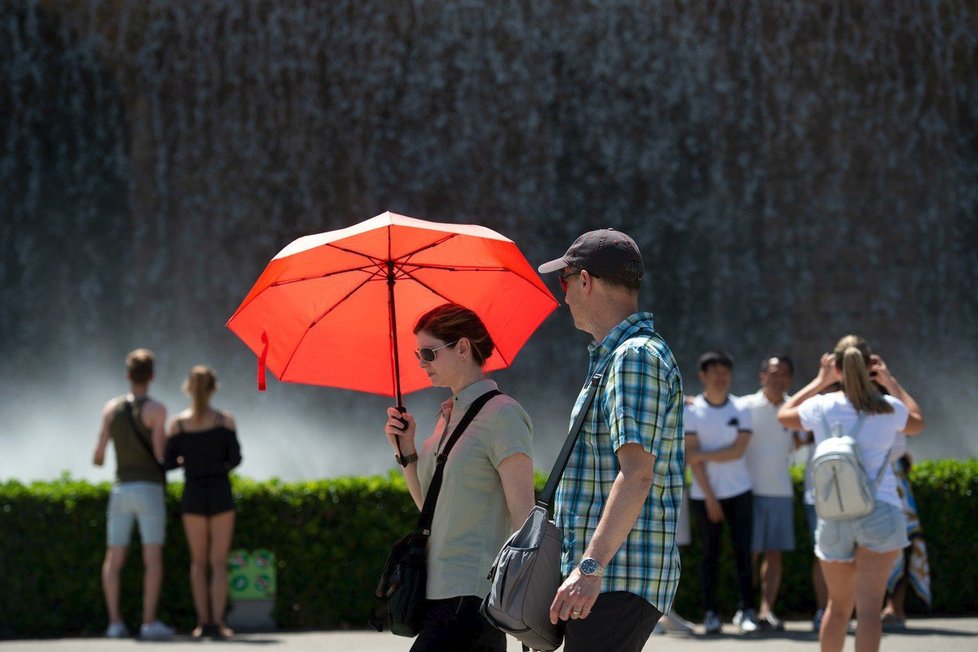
(431, 498)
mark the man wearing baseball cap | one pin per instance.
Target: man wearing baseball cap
(618, 500)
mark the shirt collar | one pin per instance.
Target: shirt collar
(465, 398)
(630, 327)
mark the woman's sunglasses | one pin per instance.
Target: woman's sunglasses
(428, 353)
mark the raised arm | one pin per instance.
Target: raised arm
(827, 375)
(401, 427)
(881, 374)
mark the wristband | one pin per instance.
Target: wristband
(406, 459)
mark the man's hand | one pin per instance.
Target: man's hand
(575, 597)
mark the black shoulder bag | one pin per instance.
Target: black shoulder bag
(405, 575)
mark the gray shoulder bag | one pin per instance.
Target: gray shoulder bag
(526, 574)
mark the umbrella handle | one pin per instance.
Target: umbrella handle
(402, 410)
(397, 440)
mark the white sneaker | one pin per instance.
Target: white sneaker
(117, 630)
(711, 623)
(676, 624)
(746, 621)
(155, 631)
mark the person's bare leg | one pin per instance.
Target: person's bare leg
(770, 581)
(872, 571)
(894, 605)
(195, 527)
(840, 579)
(152, 580)
(221, 528)
(818, 581)
(115, 559)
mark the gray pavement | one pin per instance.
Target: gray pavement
(944, 634)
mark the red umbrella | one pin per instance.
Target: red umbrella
(338, 308)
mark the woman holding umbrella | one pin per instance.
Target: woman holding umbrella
(487, 490)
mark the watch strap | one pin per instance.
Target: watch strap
(404, 460)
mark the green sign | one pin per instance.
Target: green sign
(251, 575)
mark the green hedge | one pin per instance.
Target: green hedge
(331, 537)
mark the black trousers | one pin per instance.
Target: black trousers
(455, 625)
(738, 514)
(618, 622)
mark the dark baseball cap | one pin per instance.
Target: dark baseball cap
(606, 253)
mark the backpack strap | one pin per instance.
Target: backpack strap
(855, 429)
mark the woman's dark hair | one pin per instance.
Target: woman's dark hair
(450, 322)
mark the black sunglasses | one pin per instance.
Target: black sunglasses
(562, 278)
(428, 353)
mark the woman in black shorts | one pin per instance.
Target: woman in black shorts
(202, 440)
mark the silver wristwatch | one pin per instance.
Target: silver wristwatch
(591, 567)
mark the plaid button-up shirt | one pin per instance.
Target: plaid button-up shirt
(640, 400)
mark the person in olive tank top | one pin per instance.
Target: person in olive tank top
(135, 425)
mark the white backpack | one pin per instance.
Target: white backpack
(842, 488)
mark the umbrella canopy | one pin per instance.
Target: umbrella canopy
(338, 308)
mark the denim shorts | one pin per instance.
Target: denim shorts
(882, 530)
(142, 502)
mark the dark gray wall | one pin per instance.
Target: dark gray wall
(792, 170)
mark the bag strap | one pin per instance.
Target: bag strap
(547, 495)
(431, 498)
(855, 429)
(139, 428)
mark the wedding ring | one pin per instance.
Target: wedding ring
(576, 612)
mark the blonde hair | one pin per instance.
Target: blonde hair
(852, 355)
(199, 386)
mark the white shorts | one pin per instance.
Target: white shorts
(143, 502)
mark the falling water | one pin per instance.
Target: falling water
(793, 171)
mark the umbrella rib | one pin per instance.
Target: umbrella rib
(317, 320)
(365, 268)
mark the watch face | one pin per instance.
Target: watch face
(588, 566)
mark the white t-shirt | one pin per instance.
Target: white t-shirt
(717, 427)
(770, 448)
(876, 437)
